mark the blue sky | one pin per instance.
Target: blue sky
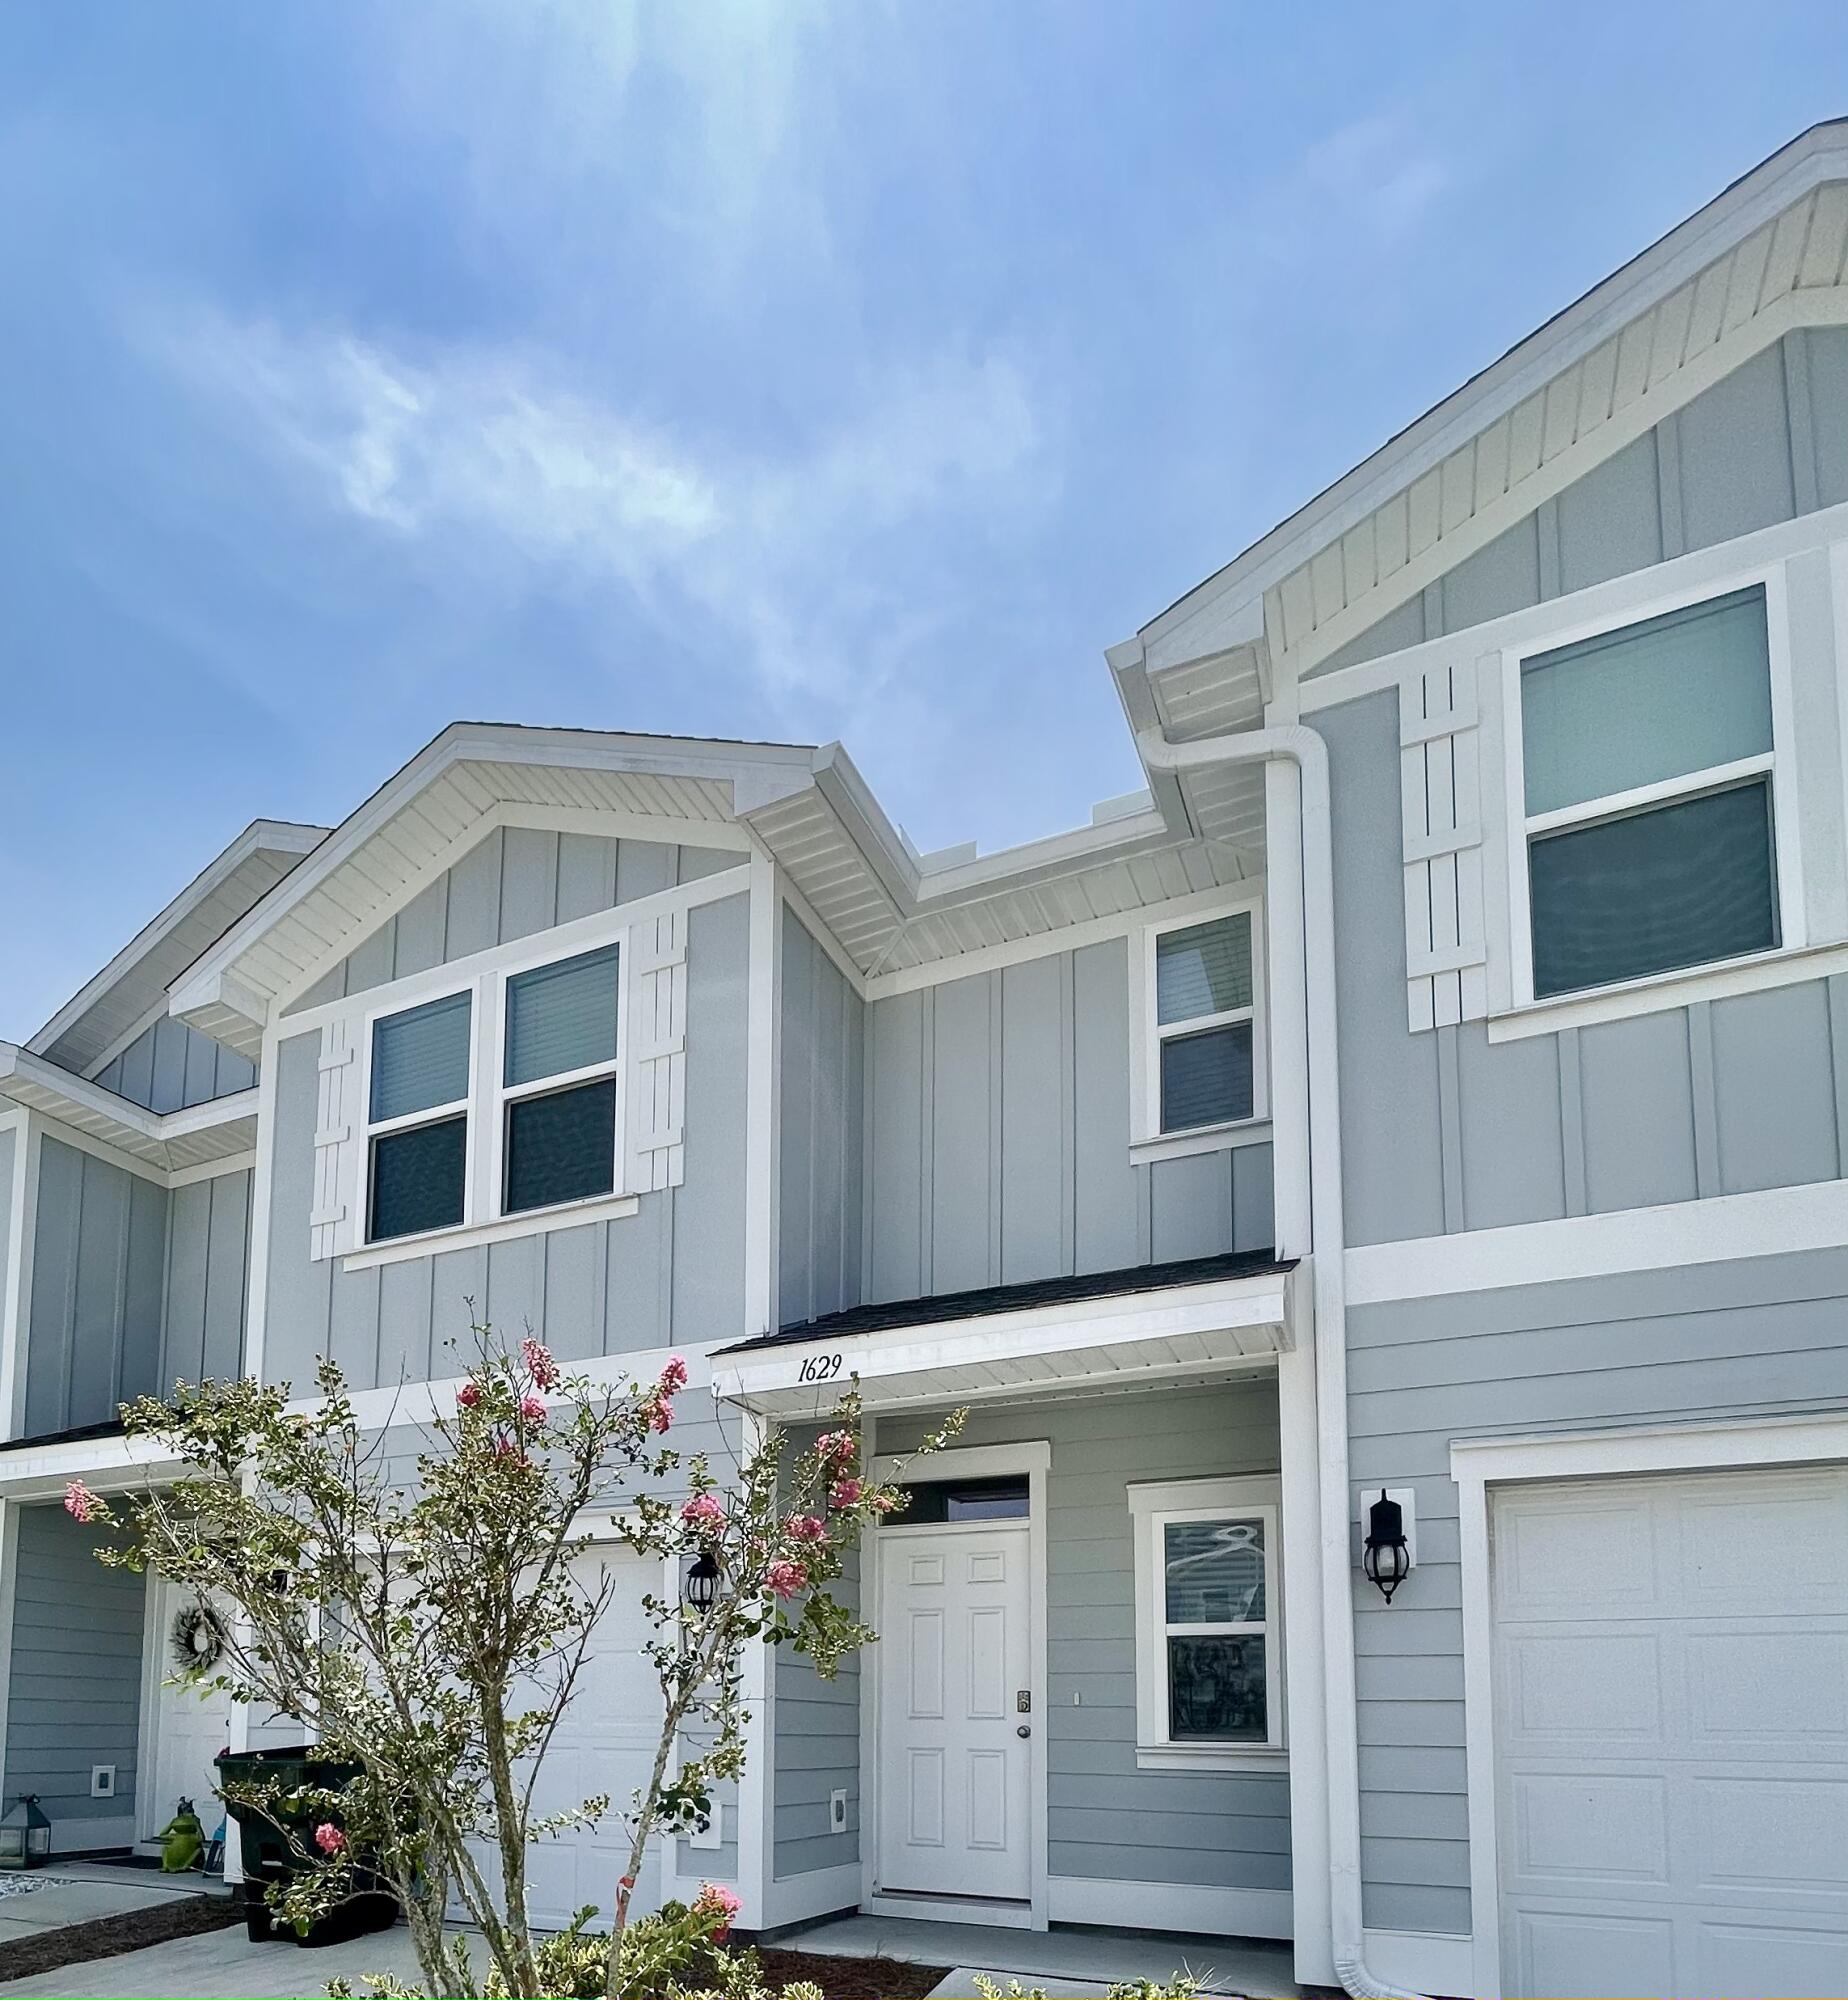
(858, 370)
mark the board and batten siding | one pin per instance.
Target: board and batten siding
(673, 1273)
(170, 1067)
(1767, 443)
(1754, 1338)
(1107, 1820)
(822, 1121)
(133, 1287)
(514, 882)
(1447, 1131)
(74, 1689)
(998, 1133)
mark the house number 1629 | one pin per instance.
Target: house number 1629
(819, 1368)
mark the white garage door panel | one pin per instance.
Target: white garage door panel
(1671, 1701)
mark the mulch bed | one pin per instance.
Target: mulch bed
(851, 1978)
(109, 1937)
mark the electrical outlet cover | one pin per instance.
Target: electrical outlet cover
(712, 1834)
(837, 1812)
(102, 1781)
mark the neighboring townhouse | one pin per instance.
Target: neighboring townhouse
(1433, 1087)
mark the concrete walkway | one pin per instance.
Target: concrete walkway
(77, 1892)
(1066, 1963)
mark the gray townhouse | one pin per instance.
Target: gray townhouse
(1380, 1192)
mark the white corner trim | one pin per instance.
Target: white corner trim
(1478, 1464)
(794, 1899)
(1422, 1961)
(1169, 1906)
(21, 1225)
(1720, 1229)
(762, 1100)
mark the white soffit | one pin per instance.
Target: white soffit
(1182, 1334)
(1768, 255)
(166, 1141)
(133, 983)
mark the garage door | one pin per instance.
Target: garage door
(606, 1743)
(1671, 1705)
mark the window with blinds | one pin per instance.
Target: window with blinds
(417, 1119)
(1205, 1009)
(559, 1081)
(1648, 771)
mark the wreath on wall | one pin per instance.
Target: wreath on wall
(197, 1638)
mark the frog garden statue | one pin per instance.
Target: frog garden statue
(182, 1841)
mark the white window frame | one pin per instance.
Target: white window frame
(1780, 763)
(1148, 1032)
(1153, 1504)
(371, 1129)
(499, 1094)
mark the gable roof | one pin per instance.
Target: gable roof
(1766, 255)
(116, 1003)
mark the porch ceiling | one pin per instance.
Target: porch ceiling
(1120, 1341)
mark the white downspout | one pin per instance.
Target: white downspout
(1304, 748)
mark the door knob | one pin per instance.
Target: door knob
(1025, 1729)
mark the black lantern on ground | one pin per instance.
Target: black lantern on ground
(1386, 1558)
(701, 1587)
(25, 1835)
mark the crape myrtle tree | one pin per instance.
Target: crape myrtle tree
(428, 1624)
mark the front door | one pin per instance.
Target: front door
(954, 1749)
(190, 1727)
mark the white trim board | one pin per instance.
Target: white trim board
(1477, 1465)
(1170, 1906)
(1721, 1229)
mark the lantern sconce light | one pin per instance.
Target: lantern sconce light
(700, 1586)
(1389, 1547)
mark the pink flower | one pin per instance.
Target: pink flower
(505, 1448)
(673, 1376)
(888, 1501)
(715, 1901)
(785, 1578)
(660, 1415)
(845, 1493)
(836, 1447)
(804, 1528)
(703, 1509)
(79, 1502)
(469, 1395)
(539, 1363)
(329, 1839)
(532, 1409)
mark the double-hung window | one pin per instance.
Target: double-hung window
(560, 1082)
(1209, 1658)
(1650, 819)
(1205, 982)
(417, 1118)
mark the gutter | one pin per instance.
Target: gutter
(1301, 747)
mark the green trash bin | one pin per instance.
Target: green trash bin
(269, 1854)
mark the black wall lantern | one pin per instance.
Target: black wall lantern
(1387, 1556)
(701, 1586)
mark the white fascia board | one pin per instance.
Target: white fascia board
(261, 836)
(209, 982)
(97, 1113)
(1083, 1325)
(107, 1464)
(1818, 155)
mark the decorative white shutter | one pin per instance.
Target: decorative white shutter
(333, 1225)
(655, 1112)
(1440, 781)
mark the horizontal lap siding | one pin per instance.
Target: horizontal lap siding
(1108, 1821)
(74, 1693)
(673, 1273)
(999, 1131)
(822, 1125)
(1755, 1338)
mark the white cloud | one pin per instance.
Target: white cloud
(1376, 171)
(487, 463)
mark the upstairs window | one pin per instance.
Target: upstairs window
(417, 1119)
(1205, 982)
(1650, 821)
(559, 1082)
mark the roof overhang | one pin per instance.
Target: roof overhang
(88, 1030)
(167, 1142)
(1762, 258)
(1140, 1340)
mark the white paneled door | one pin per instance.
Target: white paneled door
(954, 1755)
(1671, 1709)
(191, 1726)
